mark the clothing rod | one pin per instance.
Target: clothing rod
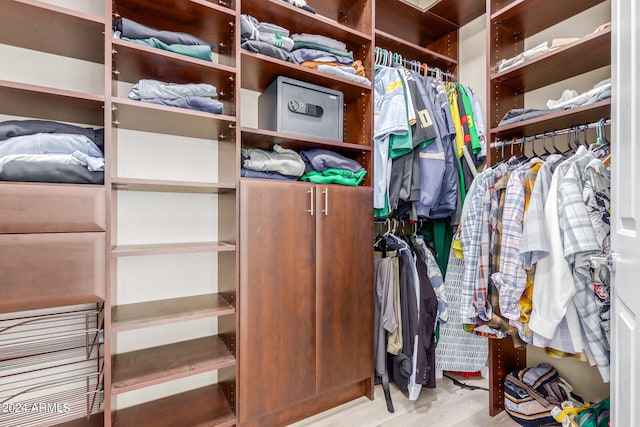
(518, 141)
(388, 58)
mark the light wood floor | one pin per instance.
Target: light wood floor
(446, 406)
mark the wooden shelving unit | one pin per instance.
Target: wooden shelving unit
(508, 24)
(413, 51)
(214, 22)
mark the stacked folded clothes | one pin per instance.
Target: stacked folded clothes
(194, 96)
(281, 163)
(328, 167)
(302, 4)
(45, 151)
(569, 99)
(177, 42)
(265, 38)
(327, 56)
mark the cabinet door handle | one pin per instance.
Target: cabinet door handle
(326, 202)
(310, 210)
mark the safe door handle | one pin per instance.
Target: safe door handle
(311, 210)
(325, 211)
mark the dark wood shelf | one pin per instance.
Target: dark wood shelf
(145, 116)
(528, 17)
(258, 71)
(561, 120)
(171, 248)
(44, 27)
(204, 19)
(412, 51)
(135, 62)
(203, 407)
(138, 184)
(27, 100)
(152, 313)
(143, 368)
(460, 12)
(411, 23)
(261, 138)
(297, 20)
(589, 53)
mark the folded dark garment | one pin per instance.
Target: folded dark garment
(198, 103)
(134, 30)
(26, 171)
(250, 173)
(12, 128)
(320, 159)
(264, 48)
(516, 115)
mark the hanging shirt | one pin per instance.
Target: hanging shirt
(596, 196)
(390, 118)
(580, 244)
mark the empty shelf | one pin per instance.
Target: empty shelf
(261, 138)
(143, 368)
(203, 407)
(153, 313)
(171, 248)
(137, 184)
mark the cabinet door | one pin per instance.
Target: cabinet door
(344, 274)
(277, 354)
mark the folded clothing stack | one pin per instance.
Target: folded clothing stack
(265, 38)
(281, 164)
(328, 167)
(194, 96)
(569, 99)
(327, 56)
(45, 151)
(182, 43)
(302, 4)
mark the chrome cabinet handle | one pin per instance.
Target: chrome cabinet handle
(326, 202)
(311, 210)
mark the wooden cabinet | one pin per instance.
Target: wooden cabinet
(344, 286)
(306, 290)
(277, 303)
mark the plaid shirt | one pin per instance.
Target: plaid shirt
(512, 278)
(579, 245)
(471, 230)
(534, 245)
